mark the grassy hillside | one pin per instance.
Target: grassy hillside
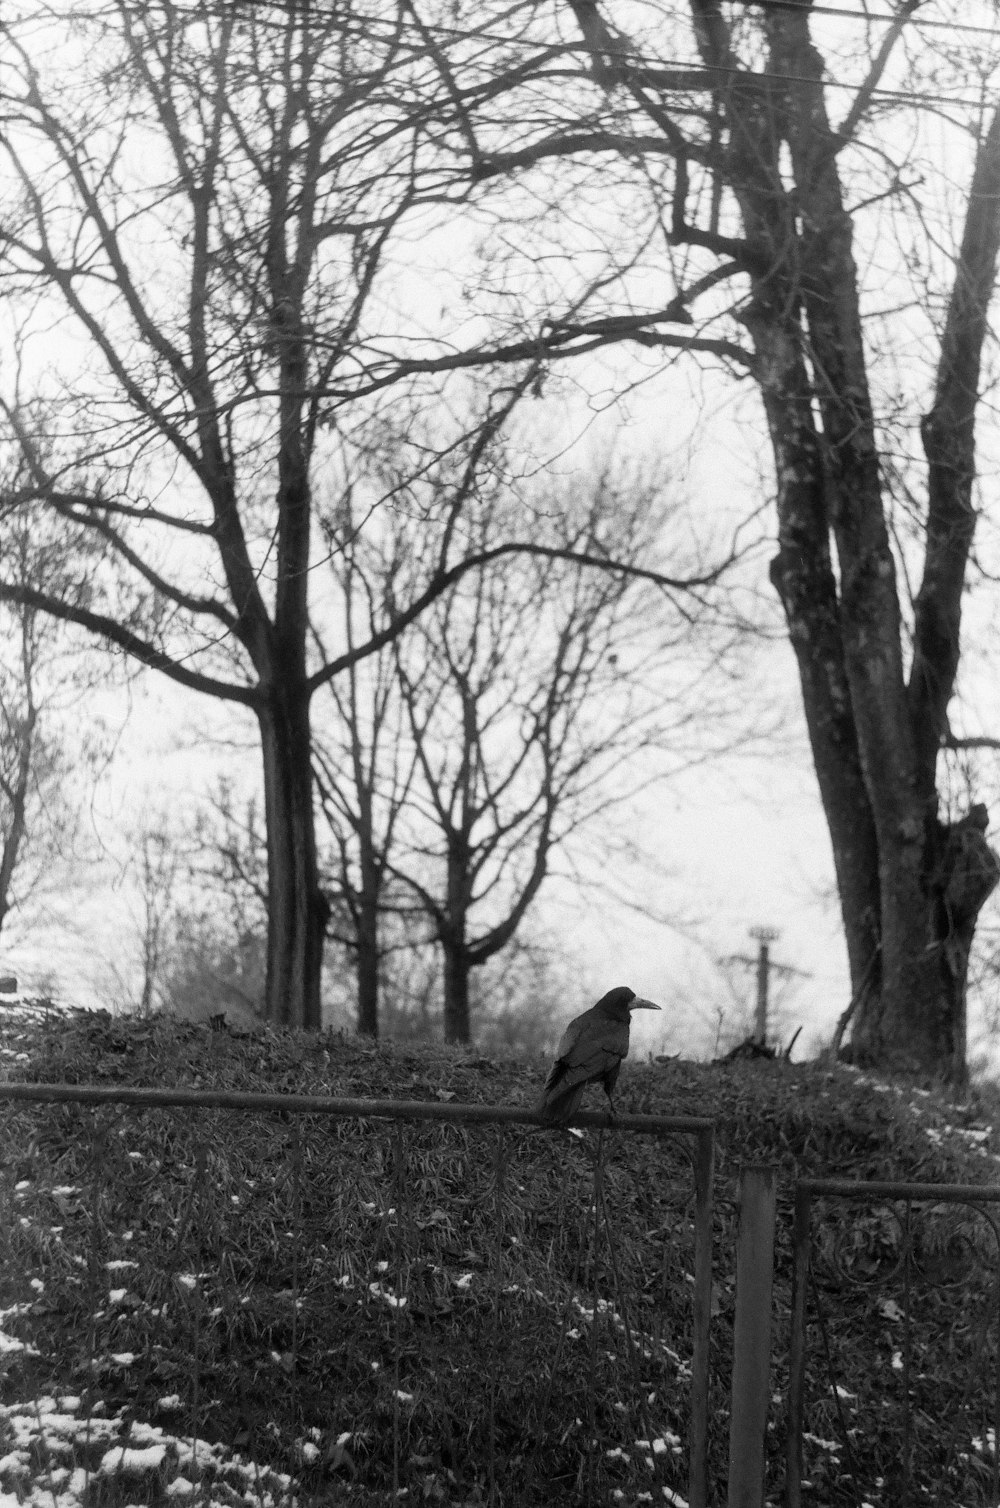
(236, 1309)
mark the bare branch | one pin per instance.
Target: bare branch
(845, 131)
(975, 741)
(123, 638)
(556, 343)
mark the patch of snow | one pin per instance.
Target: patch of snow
(832, 1446)
(395, 1302)
(9, 1343)
(54, 1428)
(127, 1460)
(180, 1487)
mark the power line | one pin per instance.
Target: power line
(698, 76)
(304, 7)
(866, 16)
(839, 11)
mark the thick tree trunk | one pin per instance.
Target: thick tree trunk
(946, 871)
(457, 969)
(929, 1032)
(870, 629)
(925, 882)
(298, 910)
(910, 887)
(802, 573)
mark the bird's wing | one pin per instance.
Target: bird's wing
(586, 1053)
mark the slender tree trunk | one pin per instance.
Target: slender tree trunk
(367, 965)
(17, 828)
(453, 925)
(367, 903)
(298, 910)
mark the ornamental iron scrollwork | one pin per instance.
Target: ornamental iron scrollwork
(894, 1368)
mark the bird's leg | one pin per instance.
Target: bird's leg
(611, 1105)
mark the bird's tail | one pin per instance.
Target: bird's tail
(556, 1107)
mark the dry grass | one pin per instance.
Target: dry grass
(271, 1259)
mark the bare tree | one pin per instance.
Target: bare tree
(158, 870)
(364, 772)
(201, 917)
(462, 757)
(520, 999)
(749, 152)
(220, 201)
(537, 696)
(242, 250)
(45, 675)
(193, 442)
(218, 961)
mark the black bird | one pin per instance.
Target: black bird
(591, 1049)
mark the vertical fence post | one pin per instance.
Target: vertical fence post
(797, 1347)
(752, 1338)
(704, 1172)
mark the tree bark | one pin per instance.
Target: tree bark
(457, 969)
(957, 868)
(298, 910)
(367, 963)
(910, 887)
(17, 795)
(902, 811)
(802, 574)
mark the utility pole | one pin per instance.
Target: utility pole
(765, 966)
(764, 936)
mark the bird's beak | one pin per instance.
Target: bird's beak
(639, 1004)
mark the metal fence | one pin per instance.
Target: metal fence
(915, 1418)
(218, 1297)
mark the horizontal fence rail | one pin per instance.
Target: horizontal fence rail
(915, 1268)
(342, 1109)
(364, 1297)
